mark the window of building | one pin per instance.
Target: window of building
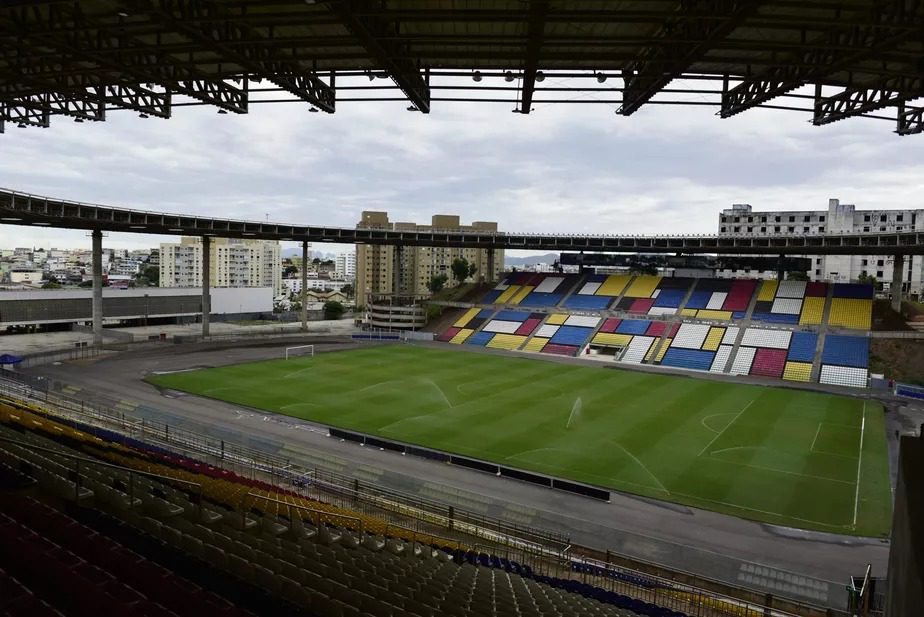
(866, 218)
(882, 229)
(750, 219)
(817, 272)
(792, 219)
(763, 230)
(899, 217)
(879, 274)
(750, 229)
(865, 262)
(777, 228)
(805, 229)
(882, 218)
(763, 219)
(776, 219)
(722, 230)
(818, 261)
(791, 229)
(821, 229)
(821, 219)
(880, 263)
(737, 229)
(866, 230)
(737, 219)
(806, 218)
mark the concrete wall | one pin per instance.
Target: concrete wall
(906, 557)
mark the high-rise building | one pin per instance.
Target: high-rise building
(346, 266)
(376, 265)
(742, 220)
(233, 263)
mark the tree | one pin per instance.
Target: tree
(461, 269)
(347, 290)
(51, 284)
(149, 276)
(472, 269)
(437, 283)
(333, 310)
(289, 270)
(867, 279)
(797, 276)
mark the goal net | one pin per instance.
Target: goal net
(300, 350)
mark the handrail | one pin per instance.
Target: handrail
(316, 511)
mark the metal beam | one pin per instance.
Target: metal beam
(371, 32)
(23, 116)
(910, 120)
(208, 24)
(72, 34)
(534, 36)
(858, 100)
(889, 25)
(682, 40)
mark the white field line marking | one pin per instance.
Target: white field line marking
(812, 447)
(784, 516)
(715, 415)
(856, 501)
(720, 433)
(298, 372)
(791, 473)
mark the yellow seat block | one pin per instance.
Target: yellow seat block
(643, 286)
(813, 309)
(461, 335)
(853, 313)
(713, 339)
(535, 344)
(469, 315)
(688, 313)
(612, 339)
(798, 371)
(663, 350)
(506, 341)
(504, 298)
(613, 285)
(767, 291)
(521, 294)
(711, 314)
(557, 319)
(651, 349)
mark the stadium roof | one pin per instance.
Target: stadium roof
(82, 58)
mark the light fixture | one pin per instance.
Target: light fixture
(123, 14)
(78, 120)
(601, 77)
(142, 116)
(370, 75)
(21, 125)
(476, 76)
(10, 218)
(540, 76)
(412, 108)
(313, 110)
(174, 229)
(43, 223)
(222, 111)
(508, 76)
(137, 226)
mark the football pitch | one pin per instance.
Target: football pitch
(781, 456)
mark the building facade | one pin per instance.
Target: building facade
(234, 262)
(742, 220)
(346, 266)
(379, 268)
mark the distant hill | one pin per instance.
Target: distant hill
(528, 261)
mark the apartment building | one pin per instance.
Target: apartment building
(743, 220)
(234, 262)
(377, 267)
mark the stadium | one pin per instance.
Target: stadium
(634, 432)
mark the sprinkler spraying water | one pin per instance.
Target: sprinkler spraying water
(575, 415)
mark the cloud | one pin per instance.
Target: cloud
(578, 168)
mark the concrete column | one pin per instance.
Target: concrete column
(206, 282)
(304, 294)
(489, 275)
(780, 270)
(396, 274)
(97, 259)
(898, 270)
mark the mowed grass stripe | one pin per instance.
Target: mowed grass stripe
(770, 454)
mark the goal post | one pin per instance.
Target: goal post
(300, 350)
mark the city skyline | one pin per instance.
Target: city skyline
(668, 170)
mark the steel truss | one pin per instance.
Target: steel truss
(859, 100)
(889, 25)
(910, 120)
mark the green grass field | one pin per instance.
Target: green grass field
(782, 456)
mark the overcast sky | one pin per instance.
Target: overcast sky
(577, 168)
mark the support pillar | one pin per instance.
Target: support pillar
(97, 303)
(304, 294)
(206, 281)
(781, 268)
(489, 277)
(396, 275)
(898, 270)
